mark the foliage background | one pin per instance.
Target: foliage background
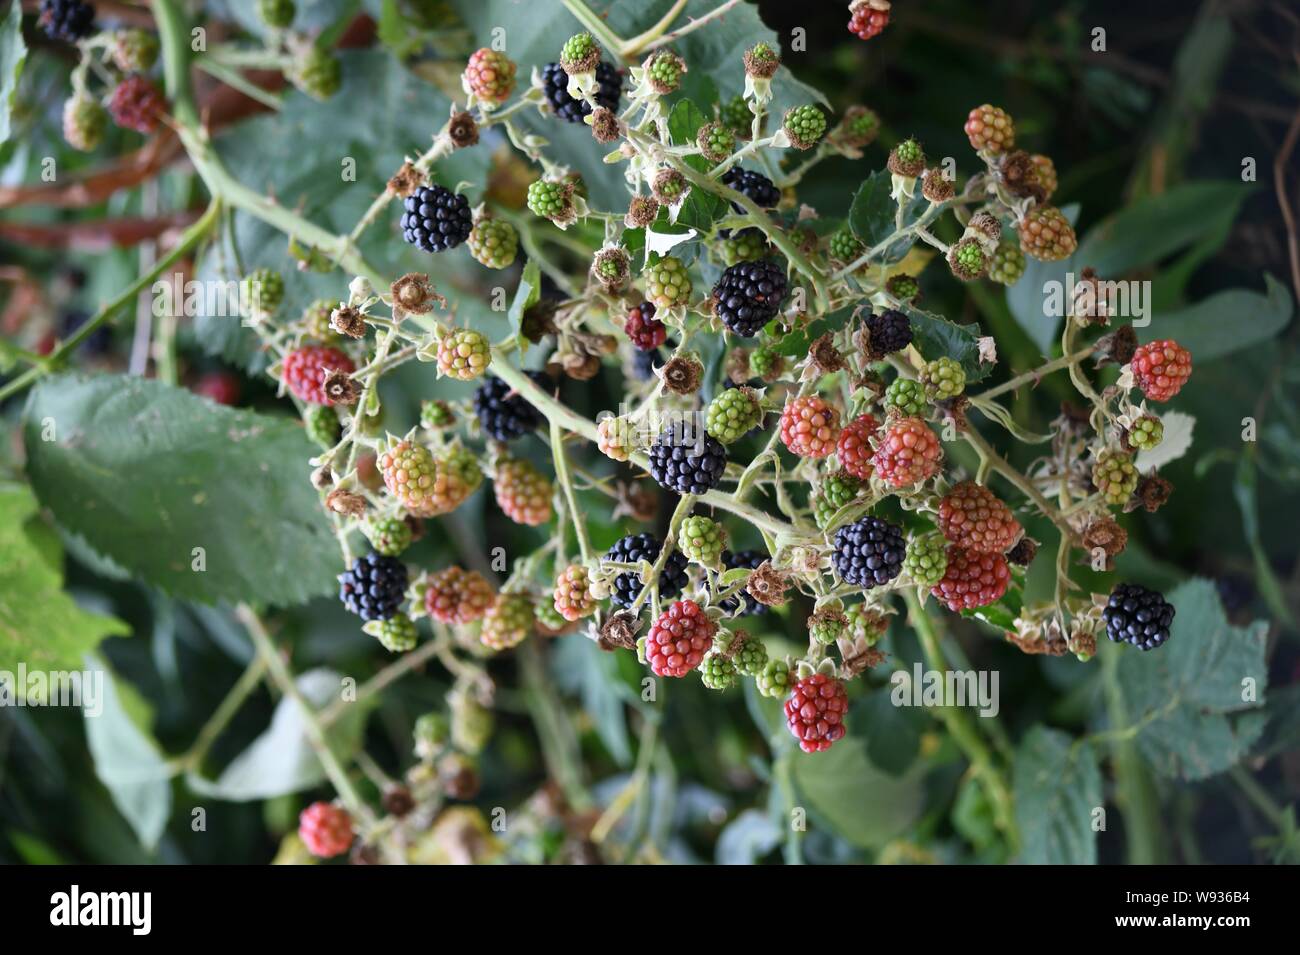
(1150, 138)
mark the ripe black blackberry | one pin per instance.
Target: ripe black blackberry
(555, 83)
(1138, 616)
(67, 20)
(750, 560)
(644, 363)
(638, 547)
(687, 460)
(754, 185)
(869, 552)
(436, 219)
(890, 331)
(749, 295)
(505, 414)
(374, 588)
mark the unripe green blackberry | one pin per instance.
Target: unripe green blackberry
(906, 396)
(436, 415)
(551, 200)
(432, 733)
(766, 362)
(463, 353)
(669, 187)
(905, 288)
(828, 623)
(667, 283)
(316, 320)
(718, 672)
(744, 245)
(805, 125)
(494, 243)
(837, 490)
(907, 159)
(317, 73)
(276, 13)
(84, 122)
(135, 51)
(471, 722)
(549, 620)
(322, 424)
(1147, 432)
(580, 54)
(944, 379)
(844, 245)
(261, 292)
(716, 141)
(926, 559)
(775, 679)
(967, 261)
(389, 535)
(1115, 476)
(865, 623)
(397, 633)
(1007, 264)
(733, 414)
(751, 656)
(858, 127)
(664, 72)
(702, 539)
(735, 115)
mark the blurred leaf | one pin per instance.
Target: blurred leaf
(1225, 322)
(872, 215)
(127, 758)
(13, 53)
(581, 667)
(40, 625)
(282, 760)
(1245, 490)
(146, 472)
(1186, 698)
(1282, 723)
(893, 733)
(1057, 788)
(747, 839)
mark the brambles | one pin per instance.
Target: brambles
(494, 243)
(749, 295)
(888, 332)
(84, 123)
(854, 448)
(555, 85)
(702, 540)
(753, 185)
(1139, 616)
(66, 20)
(643, 330)
(868, 18)
(503, 414)
(972, 517)
(990, 130)
(733, 414)
(926, 559)
(463, 353)
(1115, 476)
(907, 454)
(457, 596)
(523, 493)
(316, 72)
(667, 283)
(1046, 235)
(635, 548)
(573, 598)
(972, 580)
(507, 622)
(374, 587)
(137, 104)
(490, 75)
(436, 219)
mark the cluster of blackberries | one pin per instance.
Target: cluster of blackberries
(374, 588)
(687, 460)
(754, 185)
(638, 547)
(749, 295)
(869, 552)
(750, 560)
(436, 219)
(503, 413)
(66, 20)
(1138, 616)
(555, 83)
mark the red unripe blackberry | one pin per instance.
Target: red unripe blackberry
(972, 580)
(854, 446)
(325, 829)
(810, 427)
(573, 599)
(1161, 368)
(643, 330)
(816, 712)
(865, 21)
(220, 386)
(490, 75)
(971, 516)
(679, 639)
(523, 493)
(907, 454)
(457, 596)
(304, 371)
(137, 104)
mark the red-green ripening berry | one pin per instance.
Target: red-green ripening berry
(667, 283)
(436, 415)
(1115, 476)
(409, 471)
(260, 292)
(1007, 264)
(643, 330)
(805, 125)
(966, 260)
(471, 722)
(735, 115)
(1161, 368)
(137, 104)
(906, 396)
(304, 371)
(810, 427)
(744, 245)
(615, 438)
(844, 245)
(908, 453)
(549, 621)
(325, 829)
(972, 580)
(508, 621)
(523, 493)
(733, 414)
(972, 517)
(276, 13)
(389, 535)
(84, 122)
(718, 672)
(816, 711)
(702, 539)
(322, 425)
(927, 559)
(490, 76)
(775, 679)
(1046, 235)
(716, 141)
(767, 362)
(580, 54)
(990, 130)
(944, 379)
(1045, 172)
(867, 20)
(463, 353)
(1147, 432)
(854, 448)
(397, 634)
(664, 72)
(457, 596)
(494, 243)
(573, 599)
(317, 73)
(551, 200)
(457, 477)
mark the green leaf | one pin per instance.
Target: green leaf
(747, 839)
(1028, 298)
(937, 337)
(1195, 701)
(581, 667)
(146, 473)
(41, 627)
(872, 215)
(281, 760)
(1245, 491)
(13, 53)
(1282, 727)
(700, 208)
(893, 733)
(127, 758)
(1225, 322)
(1057, 787)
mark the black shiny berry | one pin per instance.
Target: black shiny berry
(686, 459)
(67, 20)
(374, 588)
(436, 219)
(869, 552)
(1138, 616)
(632, 550)
(754, 185)
(503, 413)
(555, 84)
(750, 560)
(890, 331)
(749, 295)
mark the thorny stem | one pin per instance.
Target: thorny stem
(1036, 374)
(566, 484)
